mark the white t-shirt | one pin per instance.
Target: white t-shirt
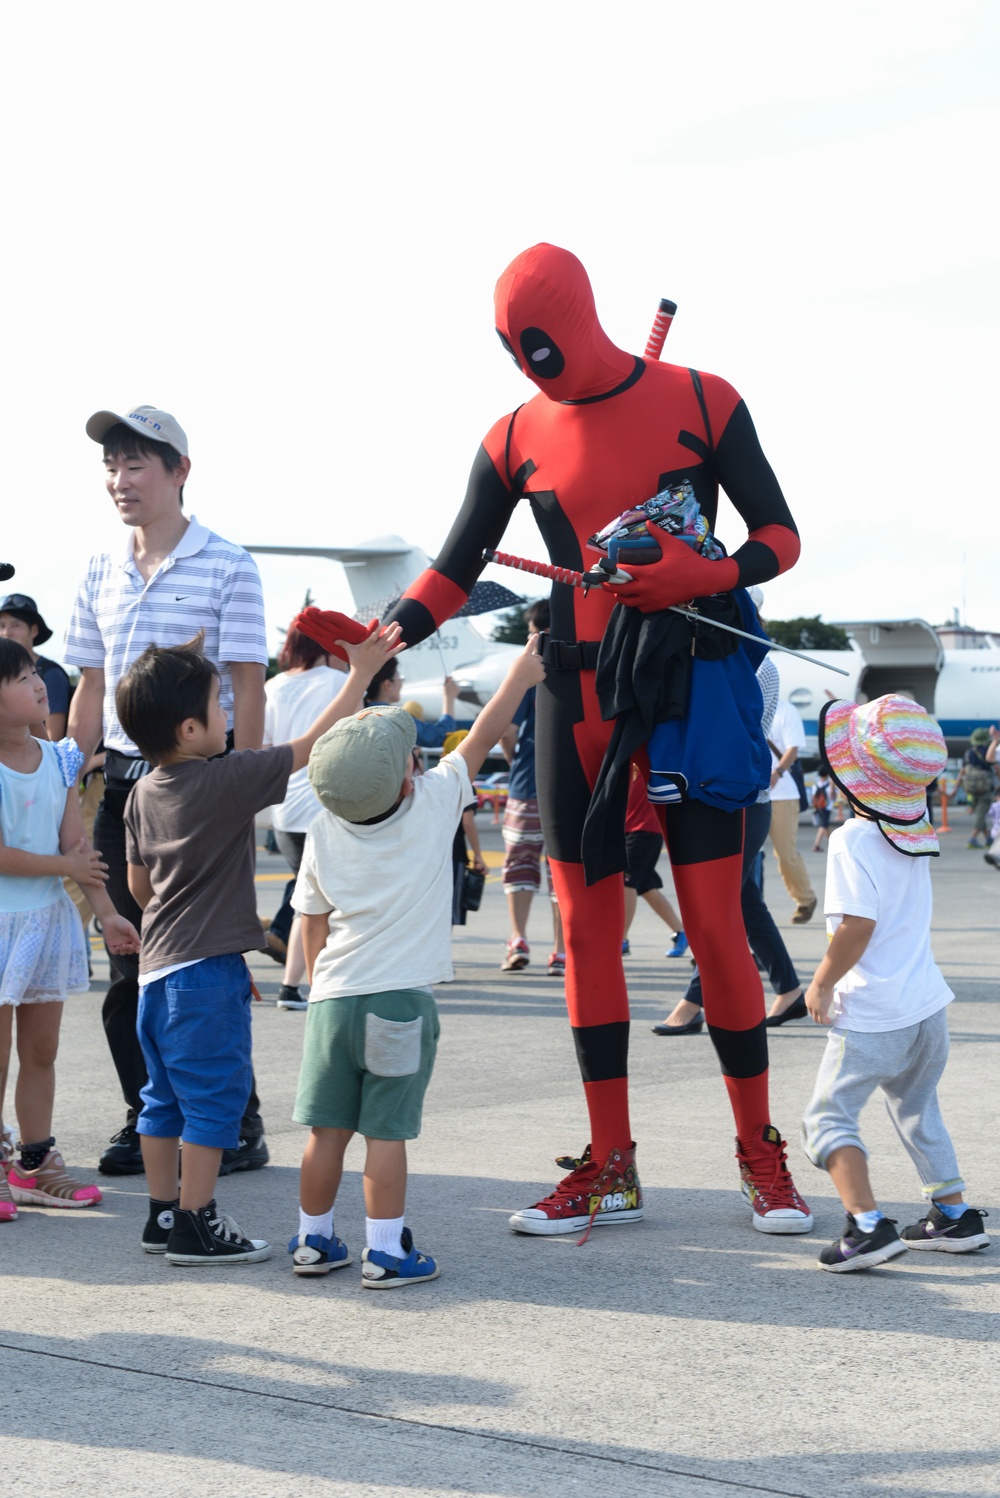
(388, 889)
(293, 702)
(786, 729)
(897, 982)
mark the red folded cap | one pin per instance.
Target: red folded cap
(326, 627)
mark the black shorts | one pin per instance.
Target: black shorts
(642, 850)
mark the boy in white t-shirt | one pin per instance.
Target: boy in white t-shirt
(879, 984)
(375, 893)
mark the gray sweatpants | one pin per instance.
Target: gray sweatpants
(907, 1065)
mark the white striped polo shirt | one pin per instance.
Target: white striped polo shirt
(205, 583)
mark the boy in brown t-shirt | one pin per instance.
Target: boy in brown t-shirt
(189, 840)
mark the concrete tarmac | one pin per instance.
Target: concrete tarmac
(683, 1355)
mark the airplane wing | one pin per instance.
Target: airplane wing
(378, 570)
(372, 551)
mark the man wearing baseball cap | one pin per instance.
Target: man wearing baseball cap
(172, 578)
(21, 621)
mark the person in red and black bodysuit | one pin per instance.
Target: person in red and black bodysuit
(607, 431)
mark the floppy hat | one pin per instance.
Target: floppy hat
(149, 421)
(357, 767)
(883, 755)
(23, 607)
(979, 736)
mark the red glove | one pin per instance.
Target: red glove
(680, 575)
(326, 627)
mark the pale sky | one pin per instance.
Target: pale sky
(284, 224)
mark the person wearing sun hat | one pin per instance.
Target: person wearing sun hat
(883, 755)
(976, 776)
(879, 986)
(21, 621)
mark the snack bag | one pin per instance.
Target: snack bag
(626, 540)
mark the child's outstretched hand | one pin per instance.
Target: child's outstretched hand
(370, 655)
(86, 865)
(120, 935)
(528, 670)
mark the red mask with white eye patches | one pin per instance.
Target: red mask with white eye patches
(547, 322)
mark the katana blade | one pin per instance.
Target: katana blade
(675, 608)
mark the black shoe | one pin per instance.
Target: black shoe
(693, 1027)
(158, 1227)
(208, 1236)
(250, 1154)
(123, 1156)
(949, 1235)
(858, 1250)
(991, 858)
(290, 998)
(796, 1010)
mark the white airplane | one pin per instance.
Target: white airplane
(378, 571)
(952, 671)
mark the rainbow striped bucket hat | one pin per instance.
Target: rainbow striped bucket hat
(883, 755)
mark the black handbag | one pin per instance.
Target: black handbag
(473, 884)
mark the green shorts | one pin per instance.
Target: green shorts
(366, 1063)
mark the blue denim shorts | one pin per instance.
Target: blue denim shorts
(194, 1029)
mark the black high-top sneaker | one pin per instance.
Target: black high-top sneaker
(208, 1236)
(158, 1226)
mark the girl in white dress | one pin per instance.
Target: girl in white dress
(43, 954)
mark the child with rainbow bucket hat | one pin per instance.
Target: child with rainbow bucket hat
(879, 986)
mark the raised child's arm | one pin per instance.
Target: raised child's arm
(366, 658)
(526, 671)
(847, 947)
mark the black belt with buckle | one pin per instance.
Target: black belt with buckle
(564, 655)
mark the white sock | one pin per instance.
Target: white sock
(317, 1227)
(867, 1221)
(385, 1234)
